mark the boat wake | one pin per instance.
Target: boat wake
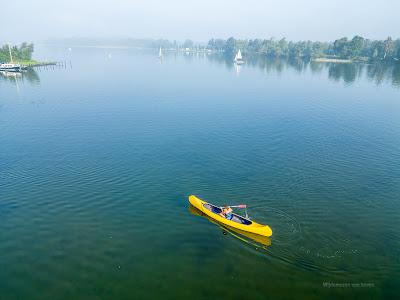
(290, 245)
(286, 228)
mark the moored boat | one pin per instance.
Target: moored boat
(238, 58)
(10, 67)
(237, 221)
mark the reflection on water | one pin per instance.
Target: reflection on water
(346, 72)
(29, 75)
(97, 161)
(238, 69)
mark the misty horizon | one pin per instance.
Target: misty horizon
(200, 20)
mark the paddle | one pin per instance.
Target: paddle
(241, 206)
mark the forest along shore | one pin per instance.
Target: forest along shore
(343, 50)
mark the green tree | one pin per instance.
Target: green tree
(283, 47)
(388, 48)
(255, 45)
(23, 52)
(397, 51)
(319, 49)
(355, 46)
(230, 46)
(268, 48)
(26, 51)
(188, 44)
(340, 47)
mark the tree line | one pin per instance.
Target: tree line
(22, 52)
(344, 48)
(357, 48)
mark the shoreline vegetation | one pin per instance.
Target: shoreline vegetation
(22, 55)
(343, 50)
(333, 60)
(345, 70)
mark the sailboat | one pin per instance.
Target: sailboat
(10, 67)
(238, 58)
(160, 55)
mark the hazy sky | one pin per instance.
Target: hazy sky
(34, 20)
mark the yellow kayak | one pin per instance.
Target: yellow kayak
(237, 222)
(240, 234)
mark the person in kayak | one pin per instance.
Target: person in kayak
(227, 212)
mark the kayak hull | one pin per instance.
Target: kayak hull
(237, 233)
(251, 226)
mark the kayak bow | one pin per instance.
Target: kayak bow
(237, 221)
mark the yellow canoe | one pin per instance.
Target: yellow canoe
(238, 222)
(237, 233)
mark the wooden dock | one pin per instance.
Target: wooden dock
(45, 65)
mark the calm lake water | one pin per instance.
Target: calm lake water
(97, 160)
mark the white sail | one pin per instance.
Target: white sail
(239, 55)
(238, 58)
(160, 53)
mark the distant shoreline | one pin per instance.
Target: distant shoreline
(343, 50)
(33, 63)
(333, 60)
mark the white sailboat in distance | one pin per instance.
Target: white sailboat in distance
(238, 58)
(160, 55)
